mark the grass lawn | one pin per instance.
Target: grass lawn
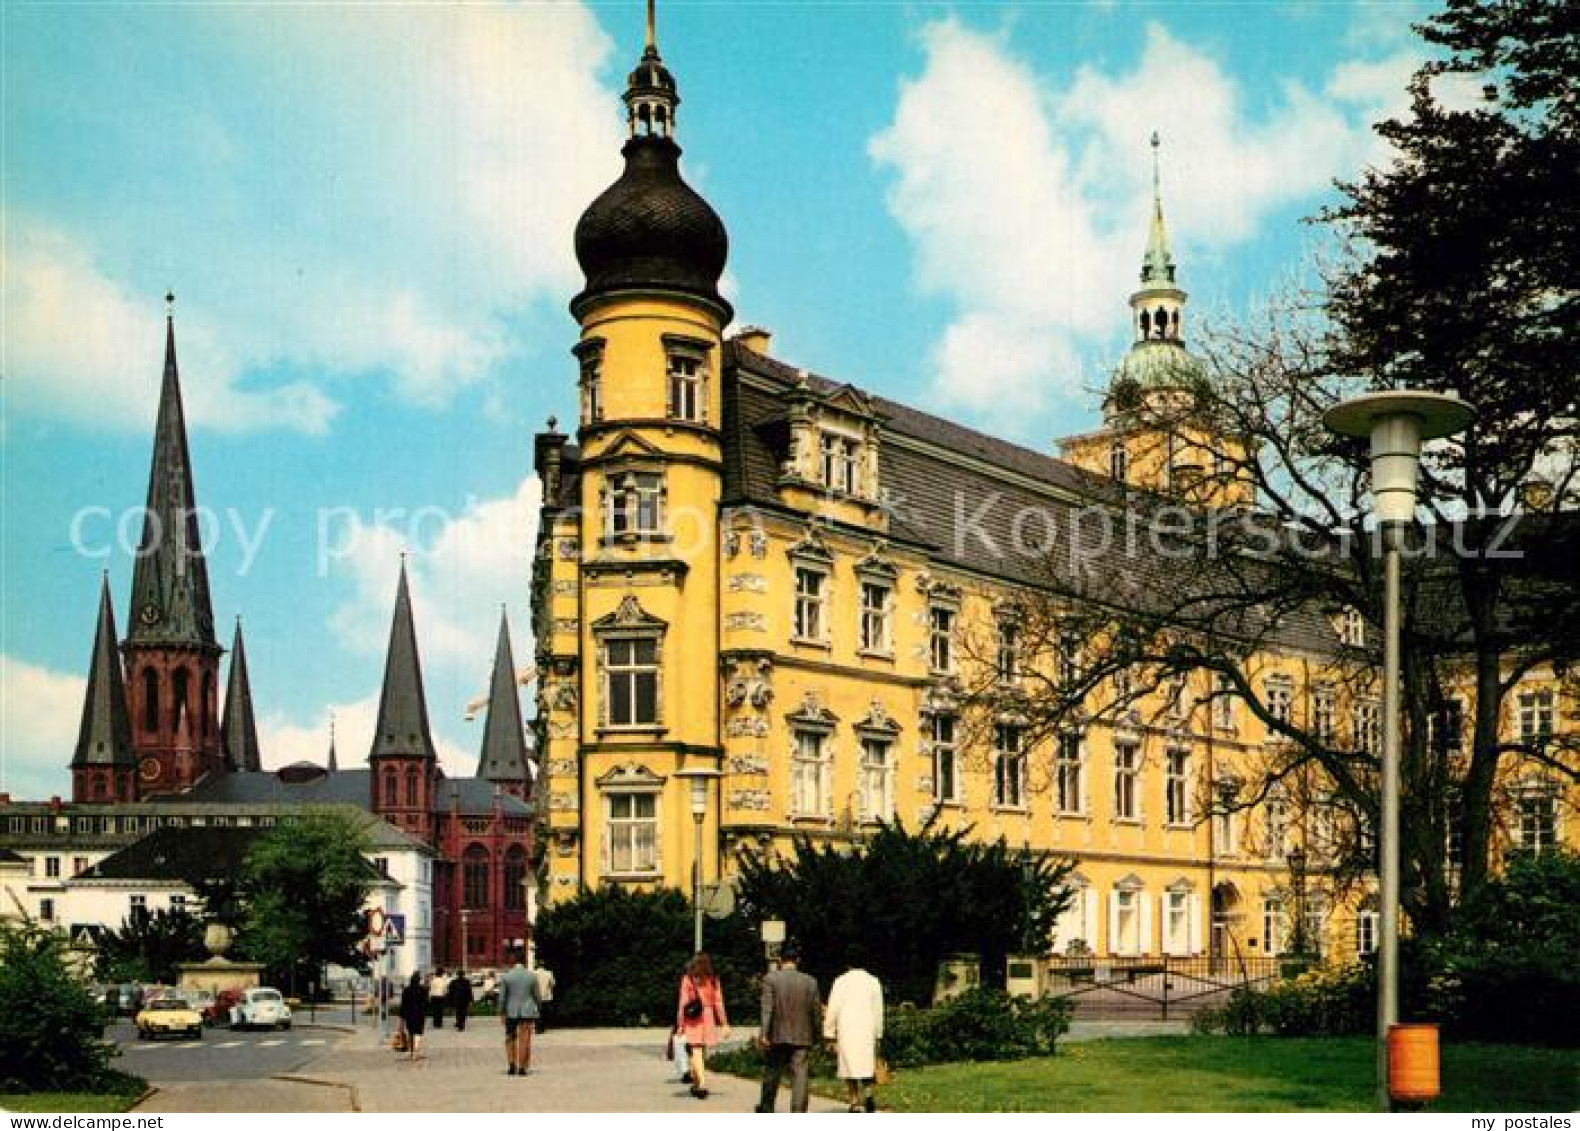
(1229, 1074)
(69, 1101)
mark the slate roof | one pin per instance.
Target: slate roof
(105, 736)
(504, 757)
(238, 728)
(958, 494)
(170, 592)
(196, 855)
(341, 787)
(402, 729)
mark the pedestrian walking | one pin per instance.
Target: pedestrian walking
(518, 1008)
(700, 1018)
(790, 1025)
(460, 995)
(853, 1021)
(438, 996)
(414, 1013)
(545, 978)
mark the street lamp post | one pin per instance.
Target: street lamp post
(466, 937)
(699, 778)
(1297, 869)
(1396, 423)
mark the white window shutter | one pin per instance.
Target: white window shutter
(1144, 944)
(1089, 919)
(1193, 905)
(1113, 923)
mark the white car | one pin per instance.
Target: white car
(260, 1007)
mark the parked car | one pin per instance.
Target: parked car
(217, 1011)
(168, 1016)
(260, 1007)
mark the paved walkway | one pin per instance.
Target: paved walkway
(585, 1070)
(617, 1070)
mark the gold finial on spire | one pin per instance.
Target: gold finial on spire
(652, 29)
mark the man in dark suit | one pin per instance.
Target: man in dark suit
(791, 1022)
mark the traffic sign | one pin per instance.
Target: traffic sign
(394, 929)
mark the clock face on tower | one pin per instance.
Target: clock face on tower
(148, 769)
(150, 613)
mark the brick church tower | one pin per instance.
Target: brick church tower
(171, 655)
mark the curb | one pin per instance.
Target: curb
(350, 1089)
(148, 1093)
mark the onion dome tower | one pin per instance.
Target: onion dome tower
(650, 230)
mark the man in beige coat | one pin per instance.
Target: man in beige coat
(853, 1021)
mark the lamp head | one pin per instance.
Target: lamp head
(1397, 423)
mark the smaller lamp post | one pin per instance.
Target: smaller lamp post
(699, 777)
(1297, 871)
(1397, 423)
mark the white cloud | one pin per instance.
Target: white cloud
(407, 194)
(40, 712)
(78, 346)
(1027, 200)
(284, 740)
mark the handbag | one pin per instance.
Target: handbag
(693, 1008)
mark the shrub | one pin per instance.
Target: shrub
(1509, 967)
(1328, 1001)
(617, 957)
(51, 1030)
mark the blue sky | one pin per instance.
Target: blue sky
(366, 216)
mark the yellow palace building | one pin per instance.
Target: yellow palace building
(784, 583)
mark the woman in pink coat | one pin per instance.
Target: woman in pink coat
(700, 1019)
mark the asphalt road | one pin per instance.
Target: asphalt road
(223, 1054)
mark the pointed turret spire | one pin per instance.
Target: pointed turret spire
(402, 729)
(333, 763)
(170, 595)
(184, 750)
(105, 737)
(1157, 266)
(504, 757)
(238, 728)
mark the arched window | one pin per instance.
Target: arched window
(150, 700)
(391, 790)
(515, 878)
(1146, 324)
(1161, 322)
(411, 788)
(178, 696)
(208, 697)
(474, 877)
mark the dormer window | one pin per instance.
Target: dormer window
(1351, 628)
(841, 462)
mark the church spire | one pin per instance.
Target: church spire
(402, 729)
(504, 757)
(170, 594)
(105, 737)
(238, 728)
(333, 764)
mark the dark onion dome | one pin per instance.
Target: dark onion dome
(650, 230)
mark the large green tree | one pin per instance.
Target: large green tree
(51, 1030)
(151, 947)
(900, 902)
(1457, 274)
(304, 885)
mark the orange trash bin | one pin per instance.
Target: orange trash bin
(1413, 1075)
